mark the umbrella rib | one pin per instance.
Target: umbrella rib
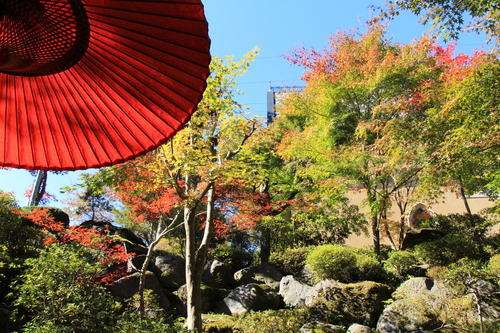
(50, 133)
(111, 107)
(106, 78)
(163, 84)
(125, 36)
(102, 18)
(53, 84)
(86, 100)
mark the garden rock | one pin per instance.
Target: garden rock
(321, 327)
(170, 270)
(263, 273)
(250, 297)
(211, 298)
(128, 286)
(414, 287)
(415, 309)
(356, 328)
(361, 303)
(219, 275)
(294, 293)
(320, 288)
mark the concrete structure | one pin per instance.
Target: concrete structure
(450, 203)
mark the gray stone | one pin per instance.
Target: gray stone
(250, 297)
(321, 327)
(356, 328)
(219, 275)
(414, 287)
(264, 273)
(408, 315)
(171, 270)
(415, 308)
(128, 286)
(338, 303)
(320, 288)
(294, 293)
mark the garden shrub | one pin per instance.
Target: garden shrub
(446, 250)
(473, 227)
(132, 323)
(291, 261)
(218, 323)
(368, 267)
(57, 288)
(344, 263)
(399, 263)
(332, 261)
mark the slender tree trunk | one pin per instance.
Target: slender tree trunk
(376, 234)
(193, 302)
(265, 245)
(195, 262)
(142, 281)
(462, 194)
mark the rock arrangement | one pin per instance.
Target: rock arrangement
(362, 304)
(363, 307)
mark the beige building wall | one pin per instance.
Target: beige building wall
(450, 203)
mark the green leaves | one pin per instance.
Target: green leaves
(57, 288)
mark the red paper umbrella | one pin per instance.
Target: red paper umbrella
(95, 83)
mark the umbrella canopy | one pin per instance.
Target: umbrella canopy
(87, 84)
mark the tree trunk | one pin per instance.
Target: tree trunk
(462, 194)
(376, 235)
(265, 245)
(193, 289)
(195, 261)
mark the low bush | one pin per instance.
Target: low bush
(344, 263)
(368, 267)
(292, 261)
(332, 261)
(446, 250)
(399, 263)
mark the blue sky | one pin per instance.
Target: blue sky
(275, 26)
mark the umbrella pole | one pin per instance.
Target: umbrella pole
(36, 187)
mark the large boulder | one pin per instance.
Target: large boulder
(356, 328)
(263, 273)
(170, 270)
(219, 275)
(416, 308)
(294, 292)
(128, 286)
(211, 298)
(250, 297)
(360, 303)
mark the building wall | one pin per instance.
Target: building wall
(450, 203)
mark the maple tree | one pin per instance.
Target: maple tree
(464, 130)
(185, 180)
(453, 17)
(363, 95)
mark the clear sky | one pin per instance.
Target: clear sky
(275, 26)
